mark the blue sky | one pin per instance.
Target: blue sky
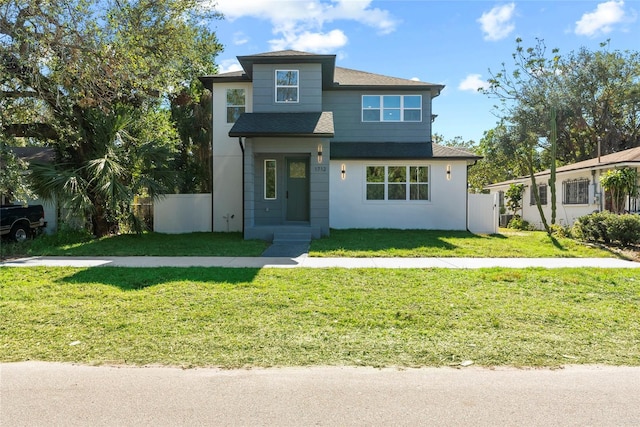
(454, 43)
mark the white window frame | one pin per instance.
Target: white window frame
(407, 183)
(243, 106)
(581, 198)
(296, 86)
(402, 108)
(275, 179)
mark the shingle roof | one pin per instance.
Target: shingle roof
(335, 78)
(284, 124)
(396, 150)
(608, 161)
(347, 77)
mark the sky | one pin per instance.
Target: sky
(454, 43)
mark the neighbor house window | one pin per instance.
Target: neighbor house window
(287, 85)
(270, 180)
(575, 192)
(235, 104)
(397, 183)
(392, 108)
(542, 189)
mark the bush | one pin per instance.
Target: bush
(517, 223)
(607, 227)
(559, 231)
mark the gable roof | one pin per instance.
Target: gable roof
(630, 157)
(333, 78)
(284, 124)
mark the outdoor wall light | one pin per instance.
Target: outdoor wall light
(319, 153)
(448, 172)
(343, 171)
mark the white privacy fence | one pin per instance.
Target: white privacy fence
(483, 213)
(182, 213)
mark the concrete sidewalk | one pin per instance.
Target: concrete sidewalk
(310, 262)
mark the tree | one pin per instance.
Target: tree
(73, 66)
(13, 182)
(619, 183)
(593, 98)
(514, 198)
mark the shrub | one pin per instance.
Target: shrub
(560, 231)
(607, 227)
(517, 223)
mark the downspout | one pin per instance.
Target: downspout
(242, 148)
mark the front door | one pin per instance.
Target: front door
(297, 192)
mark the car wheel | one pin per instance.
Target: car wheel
(19, 233)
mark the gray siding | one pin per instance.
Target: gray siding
(310, 88)
(349, 127)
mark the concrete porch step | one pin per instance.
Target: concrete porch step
(291, 237)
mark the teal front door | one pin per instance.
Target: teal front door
(297, 192)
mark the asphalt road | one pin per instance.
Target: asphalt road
(39, 394)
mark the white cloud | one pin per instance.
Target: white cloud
(301, 23)
(472, 83)
(240, 38)
(313, 42)
(228, 65)
(602, 19)
(497, 23)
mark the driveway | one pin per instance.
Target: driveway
(35, 394)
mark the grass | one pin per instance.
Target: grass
(341, 243)
(249, 317)
(430, 243)
(147, 244)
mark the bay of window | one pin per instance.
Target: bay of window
(392, 108)
(287, 85)
(235, 104)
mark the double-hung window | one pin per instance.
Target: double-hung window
(575, 192)
(235, 104)
(287, 85)
(392, 108)
(397, 183)
(542, 190)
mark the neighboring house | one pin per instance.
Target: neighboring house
(301, 143)
(578, 189)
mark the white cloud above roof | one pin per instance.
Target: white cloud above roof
(301, 25)
(498, 22)
(472, 83)
(603, 19)
(228, 65)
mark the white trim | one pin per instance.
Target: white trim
(381, 108)
(407, 183)
(296, 86)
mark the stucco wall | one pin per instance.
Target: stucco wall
(446, 209)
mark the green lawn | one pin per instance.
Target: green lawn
(341, 243)
(430, 243)
(299, 317)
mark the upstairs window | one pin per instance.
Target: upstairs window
(235, 104)
(575, 192)
(287, 85)
(542, 190)
(392, 108)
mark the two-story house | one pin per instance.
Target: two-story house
(300, 143)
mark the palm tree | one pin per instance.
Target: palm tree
(122, 153)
